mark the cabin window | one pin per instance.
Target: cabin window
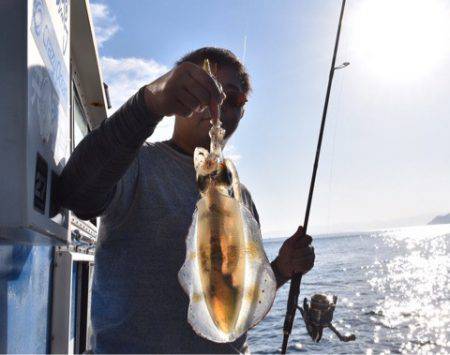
(80, 126)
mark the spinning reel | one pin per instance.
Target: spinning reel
(318, 314)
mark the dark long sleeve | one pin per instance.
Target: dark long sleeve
(87, 183)
(248, 201)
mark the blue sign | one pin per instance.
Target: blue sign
(47, 43)
(63, 11)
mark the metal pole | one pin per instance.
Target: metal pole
(297, 278)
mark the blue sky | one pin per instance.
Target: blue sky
(386, 153)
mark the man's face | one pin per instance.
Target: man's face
(198, 124)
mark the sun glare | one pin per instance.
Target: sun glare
(400, 40)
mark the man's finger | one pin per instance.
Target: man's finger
(208, 83)
(305, 254)
(304, 265)
(200, 93)
(303, 251)
(302, 242)
(303, 270)
(181, 109)
(212, 87)
(189, 100)
(303, 259)
(299, 232)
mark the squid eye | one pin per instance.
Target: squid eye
(202, 182)
(224, 176)
(229, 177)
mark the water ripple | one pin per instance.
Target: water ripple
(393, 288)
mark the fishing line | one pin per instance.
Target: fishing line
(245, 26)
(333, 144)
(244, 50)
(345, 49)
(294, 288)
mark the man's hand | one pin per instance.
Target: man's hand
(296, 255)
(181, 91)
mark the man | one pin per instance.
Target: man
(146, 195)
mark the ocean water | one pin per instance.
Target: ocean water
(393, 289)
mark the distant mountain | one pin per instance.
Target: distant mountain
(444, 219)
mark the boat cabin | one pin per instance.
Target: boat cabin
(52, 95)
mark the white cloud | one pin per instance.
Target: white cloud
(125, 76)
(105, 22)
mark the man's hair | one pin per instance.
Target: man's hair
(221, 56)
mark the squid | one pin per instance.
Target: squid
(226, 273)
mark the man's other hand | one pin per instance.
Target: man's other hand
(296, 255)
(183, 90)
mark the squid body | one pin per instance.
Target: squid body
(227, 275)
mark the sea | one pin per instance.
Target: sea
(393, 289)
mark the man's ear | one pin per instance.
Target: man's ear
(242, 114)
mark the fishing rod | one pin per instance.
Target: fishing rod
(294, 289)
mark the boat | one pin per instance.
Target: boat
(53, 95)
